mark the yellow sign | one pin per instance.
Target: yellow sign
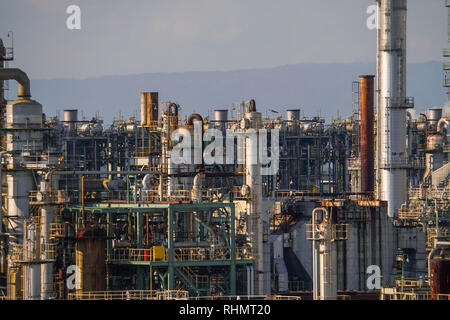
(158, 253)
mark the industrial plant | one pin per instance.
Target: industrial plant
(237, 205)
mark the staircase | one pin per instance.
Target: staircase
(440, 176)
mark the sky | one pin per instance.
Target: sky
(144, 36)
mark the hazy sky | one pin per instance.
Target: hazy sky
(140, 36)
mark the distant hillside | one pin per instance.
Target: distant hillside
(324, 88)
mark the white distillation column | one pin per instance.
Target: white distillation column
(24, 143)
(392, 103)
(47, 214)
(32, 267)
(328, 263)
(324, 255)
(257, 226)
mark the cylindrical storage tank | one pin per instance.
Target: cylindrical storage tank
(293, 115)
(143, 108)
(90, 255)
(71, 115)
(434, 115)
(366, 138)
(221, 118)
(440, 273)
(70, 118)
(221, 115)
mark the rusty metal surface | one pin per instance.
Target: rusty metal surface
(366, 137)
(90, 256)
(440, 276)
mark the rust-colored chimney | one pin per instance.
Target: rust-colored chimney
(366, 137)
(149, 108)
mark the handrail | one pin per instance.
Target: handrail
(130, 295)
(181, 254)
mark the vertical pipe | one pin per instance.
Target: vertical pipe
(47, 268)
(366, 138)
(1, 190)
(248, 280)
(82, 203)
(171, 269)
(233, 252)
(315, 261)
(144, 108)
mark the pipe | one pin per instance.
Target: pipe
(197, 186)
(1, 193)
(192, 117)
(97, 172)
(82, 202)
(173, 109)
(147, 182)
(49, 177)
(248, 280)
(23, 89)
(252, 282)
(442, 128)
(105, 184)
(316, 255)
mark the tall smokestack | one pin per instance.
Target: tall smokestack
(149, 108)
(392, 104)
(366, 137)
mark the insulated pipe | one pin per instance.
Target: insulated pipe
(192, 117)
(147, 182)
(252, 282)
(1, 193)
(248, 280)
(197, 138)
(316, 255)
(197, 186)
(23, 89)
(442, 128)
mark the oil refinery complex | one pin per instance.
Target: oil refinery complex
(357, 208)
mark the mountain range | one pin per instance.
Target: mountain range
(324, 89)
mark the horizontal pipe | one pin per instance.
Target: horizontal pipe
(23, 90)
